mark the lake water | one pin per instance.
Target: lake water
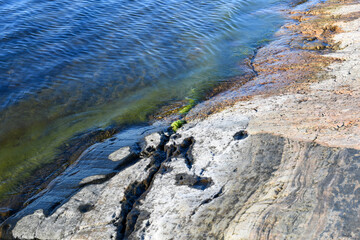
(67, 66)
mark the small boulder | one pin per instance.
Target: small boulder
(121, 155)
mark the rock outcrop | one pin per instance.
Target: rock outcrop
(209, 183)
(283, 166)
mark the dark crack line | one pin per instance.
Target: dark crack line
(127, 220)
(185, 150)
(206, 201)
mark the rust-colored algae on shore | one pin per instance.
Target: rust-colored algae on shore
(295, 85)
(288, 64)
(302, 94)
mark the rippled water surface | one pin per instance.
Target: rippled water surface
(68, 66)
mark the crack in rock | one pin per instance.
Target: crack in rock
(136, 191)
(130, 214)
(206, 201)
(184, 149)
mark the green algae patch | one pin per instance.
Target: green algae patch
(188, 107)
(177, 124)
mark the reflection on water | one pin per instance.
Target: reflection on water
(67, 66)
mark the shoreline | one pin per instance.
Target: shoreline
(286, 113)
(112, 81)
(295, 72)
(84, 140)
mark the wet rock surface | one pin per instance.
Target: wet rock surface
(97, 166)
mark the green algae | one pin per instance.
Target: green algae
(177, 124)
(191, 103)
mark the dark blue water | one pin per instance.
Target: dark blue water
(67, 66)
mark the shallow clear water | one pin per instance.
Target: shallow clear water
(67, 66)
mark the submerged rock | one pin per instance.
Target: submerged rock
(92, 179)
(121, 155)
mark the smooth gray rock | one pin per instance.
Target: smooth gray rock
(120, 155)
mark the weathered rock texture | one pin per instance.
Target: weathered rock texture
(277, 166)
(216, 185)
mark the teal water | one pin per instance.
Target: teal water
(68, 66)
